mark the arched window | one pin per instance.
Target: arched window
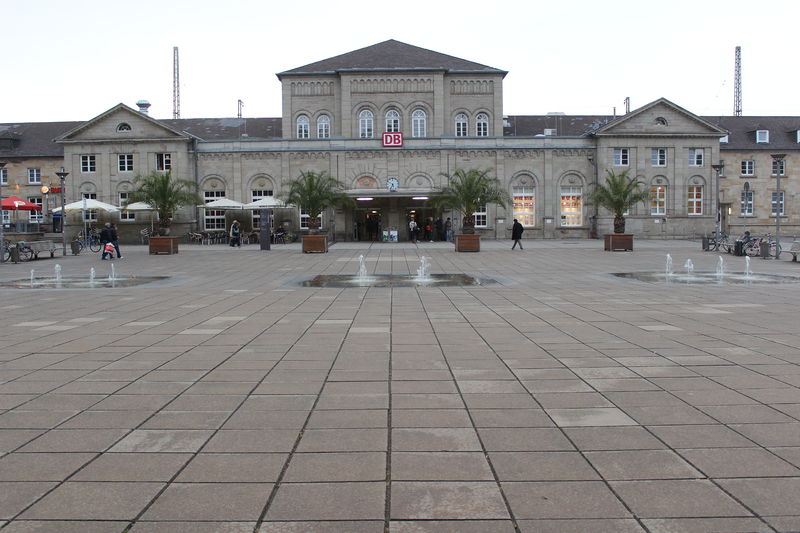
(366, 124)
(323, 127)
(392, 121)
(462, 125)
(123, 127)
(482, 125)
(302, 127)
(419, 123)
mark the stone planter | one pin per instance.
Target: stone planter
(467, 243)
(163, 245)
(315, 244)
(615, 242)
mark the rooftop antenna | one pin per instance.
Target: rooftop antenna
(176, 86)
(627, 103)
(737, 84)
(241, 105)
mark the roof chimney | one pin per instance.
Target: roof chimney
(144, 105)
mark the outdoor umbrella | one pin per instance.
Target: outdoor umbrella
(87, 204)
(141, 206)
(13, 203)
(223, 203)
(268, 202)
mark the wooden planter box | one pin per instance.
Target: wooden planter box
(615, 242)
(315, 244)
(468, 243)
(163, 245)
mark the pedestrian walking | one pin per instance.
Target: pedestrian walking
(439, 225)
(236, 234)
(413, 228)
(106, 238)
(448, 229)
(516, 234)
(428, 229)
(115, 240)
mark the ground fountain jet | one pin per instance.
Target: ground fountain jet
(362, 268)
(669, 266)
(720, 267)
(92, 274)
(423, 272)
(689, 266)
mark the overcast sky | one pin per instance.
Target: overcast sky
(72, 60)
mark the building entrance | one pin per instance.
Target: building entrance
(367, 226)
(373, 215)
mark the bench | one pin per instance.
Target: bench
(794, 250)
(38, 247)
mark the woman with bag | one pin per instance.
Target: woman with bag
(236, 234)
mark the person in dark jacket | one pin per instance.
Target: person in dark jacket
(516, 234)
(115, 240)
(106, 237)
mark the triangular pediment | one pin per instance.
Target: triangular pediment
(658, 119)
(122, 124)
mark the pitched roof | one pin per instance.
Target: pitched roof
(33, 139)
(564, 125)
(391, 55)
(217, 129)
(742, 132)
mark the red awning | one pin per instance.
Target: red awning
(13, 203)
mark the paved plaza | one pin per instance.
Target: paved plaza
(559, 400)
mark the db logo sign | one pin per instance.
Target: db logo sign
(392, 140)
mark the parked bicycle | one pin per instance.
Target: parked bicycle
(25, 251)
(91, 241)
(754, 245)
(724, 241)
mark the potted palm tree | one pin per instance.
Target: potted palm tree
(468, 190)
(315, 192)
(619, 193)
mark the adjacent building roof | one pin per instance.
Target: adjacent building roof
(552, 124)
(391, 55)
(220, 129)
(742, 132)
(33, 139)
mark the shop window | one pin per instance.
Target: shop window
(524, 199)
(658, 200)
(571, 206)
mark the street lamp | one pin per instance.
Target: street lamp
(718, 168)
(777, 159)
(2, 222)
(62, 175)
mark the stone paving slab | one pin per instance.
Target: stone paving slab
(560, 399)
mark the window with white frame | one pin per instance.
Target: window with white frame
(125, 162)
(6, 217)
(124, 127)
(302, 127)
(696, 157)
(571, 206)
(34, 176)
(3, 176)
(88, 163)
(462, 125)
(163, 162)
(775, 197)
(658, 157)
(36, 216)
(658, 199)
(304, 219)
(323, 127)
(524, 199)
(480, 217)
(778, 166)
(256, 195)
(748, 167)
(392, 121)
(419, 123)
(125, 215)
(746, 205)
(762, 136)
(90, 215)
(213, 219)
(621, 157)
(695, 200)
(366, 124)
(482, 125)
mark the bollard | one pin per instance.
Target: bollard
(764, 249)
(704, 243)
(75, 247)
(738, 248)
(14, 254)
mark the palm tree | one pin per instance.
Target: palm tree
(165, 194)
(467, 191)
(619, 193)
(315, 192)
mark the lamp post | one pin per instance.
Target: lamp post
(62, 175)
(777, 159)
(718, 232)
(2, 222)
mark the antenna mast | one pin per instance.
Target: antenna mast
(737, 84)
(176, 85)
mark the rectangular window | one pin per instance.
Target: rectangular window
(480, 217)
(304, 219)
(621, 158)
(482, 130)
(695, 157)
(525, 205)
(762, 136)
(214, 219)
(778, 166)
(254, 197)
(163, 162)
(658, 200)
(775, 201)
(34, 176)
(125, 215)
(748, 167)
(36, 216)
(125, 162)
(323, 129)
(6, 217)
(658, 157)
(746, 207)
(90, 215)
(88, 163)
(4, 176)
(695, 200)
(571, 206)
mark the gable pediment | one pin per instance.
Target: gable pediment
(122, 124)
(661, 118)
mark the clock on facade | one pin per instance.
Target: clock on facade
(392, 184)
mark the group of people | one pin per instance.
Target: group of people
(441, 229)
(109, 241)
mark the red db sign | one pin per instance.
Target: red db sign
(392, 139)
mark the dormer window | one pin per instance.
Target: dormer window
(723, 139)
(762, 136)
(123, 127)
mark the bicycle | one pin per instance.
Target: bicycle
(7, 250)
(91, 241)
(753, 246)
(25, 251)
(723, 242)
